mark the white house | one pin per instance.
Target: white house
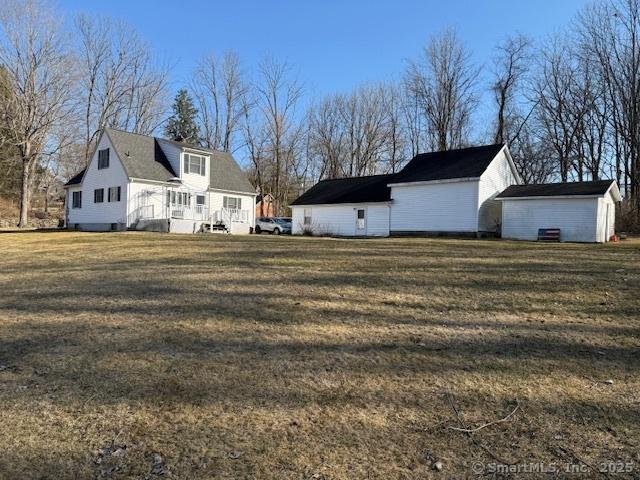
(451, 192)
(582, 211)
(141, 182)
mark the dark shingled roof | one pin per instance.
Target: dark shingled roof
(348, 190)
(142, 157)
(462, 163)
(76, 179)
(598, 187)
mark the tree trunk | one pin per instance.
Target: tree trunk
(25, 201)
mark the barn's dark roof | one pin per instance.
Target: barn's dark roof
(143, 157)
(348, 190)
(462, 163)
(76, 179)
(598, 187)
(451, 164)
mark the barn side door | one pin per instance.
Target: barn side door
(361, 221)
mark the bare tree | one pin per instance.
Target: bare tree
(276, 99)
(326, 137)
(121, 87)
(38, 73)
(443, 81)
(219, 90)
(611, 32)
(510, 66)
(562, 102)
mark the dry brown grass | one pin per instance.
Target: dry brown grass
(292, 358)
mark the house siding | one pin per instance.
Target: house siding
(216, 202)
(144, 195)
(438, 207)
(100, 216)
(340, 219)
(498, 176)
(577, 218)
(606, 228)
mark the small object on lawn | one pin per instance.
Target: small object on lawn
(609, 381)
(438, 466)
(235, 454)
(157, 458)
(120, 452)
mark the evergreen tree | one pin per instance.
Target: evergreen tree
(182, 126)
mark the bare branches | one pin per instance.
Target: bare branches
(121, 86)
(485, 425)
(443, 82)
(219, 90)
(37, 72)
(510, 66)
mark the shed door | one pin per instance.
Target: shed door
(361, 221)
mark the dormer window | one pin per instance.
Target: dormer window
(195, 164)
(103, 159)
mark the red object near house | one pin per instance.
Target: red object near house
(264, 206)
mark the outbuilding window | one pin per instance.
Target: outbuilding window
(307, 216)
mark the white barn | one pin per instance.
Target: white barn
(450, 192)
(582, 211)
(140, 182)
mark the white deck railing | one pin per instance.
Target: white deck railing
(199, 212)
(228, 215)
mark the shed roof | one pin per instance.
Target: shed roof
(593, 188)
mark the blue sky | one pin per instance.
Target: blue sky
(333, 45)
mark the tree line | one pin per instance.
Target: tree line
(567, 106)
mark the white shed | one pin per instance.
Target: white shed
(344, 207)
(582, 211)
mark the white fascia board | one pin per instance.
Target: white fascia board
(153, 182)
(435, 182)
(615, 192)
(512, 164)
(222, 190)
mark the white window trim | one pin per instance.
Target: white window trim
(186, 164)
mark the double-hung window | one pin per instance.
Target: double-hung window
(76, 199)
(98, 195)
(114, 194)
(195, 164)
(307, 216)
(103, 159)
(232, 203)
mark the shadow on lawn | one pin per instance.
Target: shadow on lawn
(319, 327)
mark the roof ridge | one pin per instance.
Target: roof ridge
(357, 177)
(461, 149)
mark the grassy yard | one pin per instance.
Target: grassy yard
(163, 356)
